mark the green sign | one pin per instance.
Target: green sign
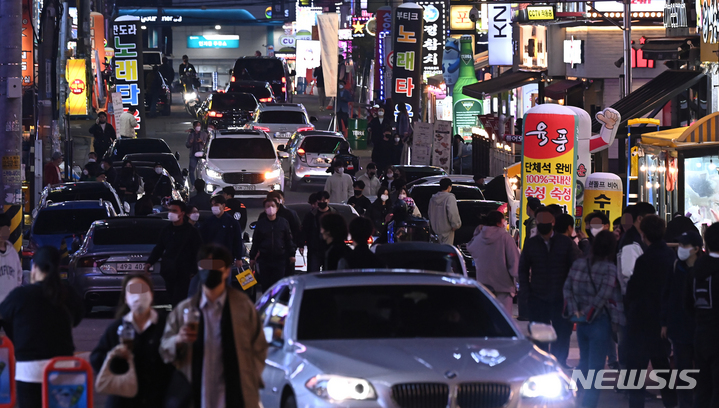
(465, 116)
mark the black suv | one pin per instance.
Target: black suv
(225, 110)
(270, 69)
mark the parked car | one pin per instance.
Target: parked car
(471, 212)
(63, 225)
(81, 190)
(226, 110)
(113, 248)
(146, 170)
(457, 179)
(308, 154)
(387, 338)
(244, 160)
(412, 173)
(123, 146)
(423, 193)
(422, 255)
(169, 163)
(271, 69)
(261, 90)
(281, 120)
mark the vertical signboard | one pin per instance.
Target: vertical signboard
(435, 30)
(406, 74)
(130, 81)
(28, 64)
(500, 34)
(422, 143)
(76, 76)
(97, 34)
(383, 17)
(549, 158)
(441, 150)
(604, 193)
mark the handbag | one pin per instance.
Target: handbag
(120, 384)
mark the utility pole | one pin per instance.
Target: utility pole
(627, 48)
(11, 114)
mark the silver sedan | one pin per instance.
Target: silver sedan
(393, 339)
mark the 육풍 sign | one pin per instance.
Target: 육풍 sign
(407, 70)
(548, 157)
(129, 78)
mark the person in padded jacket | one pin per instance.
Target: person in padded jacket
(272, 244)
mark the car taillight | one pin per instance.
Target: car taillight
(214, 114)
(284, 89)
(232, 80)
(301, 154)
(28, 253)
(90, 262)
(370, 240)
(265, 99)
(284, 80)
(265, 129)
(305, 129)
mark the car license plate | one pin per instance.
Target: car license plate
(245, 187)
(286, 135)
(321, 161)
(130, 266)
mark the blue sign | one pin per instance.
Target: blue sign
(213, 41)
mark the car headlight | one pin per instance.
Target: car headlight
(338, 388)
(213, 173)
(273, 174)
(548, 386)
(190, 96)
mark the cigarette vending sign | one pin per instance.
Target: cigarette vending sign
(406, 74)
(548, 157)
(130, 81)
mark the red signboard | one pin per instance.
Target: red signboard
(28, 64)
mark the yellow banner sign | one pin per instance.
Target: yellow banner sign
(77, 82)
(535, 13)
(603, 193)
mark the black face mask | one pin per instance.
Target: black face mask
(358, 193)
(544, 229)
(322, 205)
(210, 278)
(370, 173)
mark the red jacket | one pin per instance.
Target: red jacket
(52, 174)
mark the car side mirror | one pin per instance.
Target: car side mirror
(177, 155)
(281, 148)
(199, 154)
(542, 333)
(253, 225)
(185, 172)
(313, 119)
(126, 207)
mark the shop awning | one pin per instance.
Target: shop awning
(705, 130)
(508, 80)
(654, 94)
(481, 60)
(514, 170)
(667, 48)
(558, 89)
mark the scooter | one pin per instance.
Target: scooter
(190, 93)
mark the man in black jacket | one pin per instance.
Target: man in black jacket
(360, 203)
(312, 237)
(643, 306)
(103, 134)
(235, 207)
(223, 230)
(631, 245)
(109, 171)
(178, 246)
(201, 199)
(699, 296)
(293, 219)
(272, 245)
(543, 268)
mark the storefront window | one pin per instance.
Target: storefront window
(701, 192)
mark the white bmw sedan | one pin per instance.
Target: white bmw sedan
(398, 339)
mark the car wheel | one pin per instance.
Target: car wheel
(289, 402)
(293, 183)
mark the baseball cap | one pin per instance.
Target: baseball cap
(691, 238)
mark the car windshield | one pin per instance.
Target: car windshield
(102, 192)
(291, 117)
(226, 102)
(268, 70)
(74, 221)
(319, 144)
(137, 234)
(141, 146)
(398, 311)
(250, 148)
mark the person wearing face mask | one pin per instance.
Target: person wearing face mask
(339, 184)
(109, 171)
(39, 318)
(443, 213)
(223, 229)
(272, 244)
(9, 260)
(677, 323)
(223, 355)
(92, 168)
(381, 211)
(360, 203)
(343, 108)
(295, 226)
(547, 258)
(103, 134)
(234, 207)
(311, 235)
(595, 223)
(403, 195)
(158, 185)
(371, 181)
(153, 374)
(196, 141)
(128, 182)
(334, 231)
(193, 215)
(176, 250)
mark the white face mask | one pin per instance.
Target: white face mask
(198, 128)
(380, 114)
(173, 217)
(138, 302)
(216, 210)
(91, 160)
(684, 253)
(384, 197)
(396, 140)
(341, 170)
(158, 170)
(342, 87)
(595, 230)
(402, 196)
(85, 172)
(195, 216)
(390, 175)
(271, 211)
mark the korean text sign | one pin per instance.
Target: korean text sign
(435, 31)
(130, 81)
(603, 193)
(548, 157)
(406, 74)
